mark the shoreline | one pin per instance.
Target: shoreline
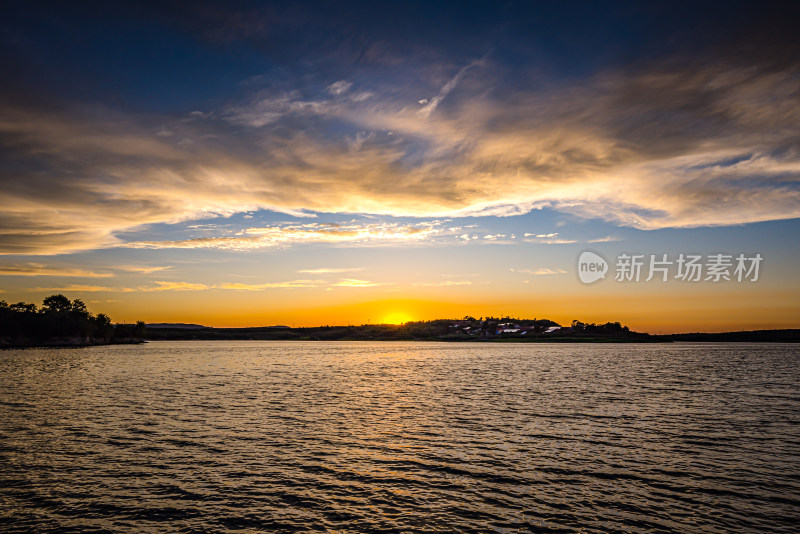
(68, 343)
(397, 333)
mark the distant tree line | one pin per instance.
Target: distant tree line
(591, 328)
(61, 321)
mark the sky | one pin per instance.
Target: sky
(311, 163)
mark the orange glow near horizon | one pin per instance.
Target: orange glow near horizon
(395, 286)
(397, 318)
(434, 179)
(680, 313)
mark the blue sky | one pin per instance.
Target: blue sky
(326, 159)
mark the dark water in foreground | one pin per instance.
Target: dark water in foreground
(377, 437)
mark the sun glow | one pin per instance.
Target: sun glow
(397, 318)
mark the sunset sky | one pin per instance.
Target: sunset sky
(247, 163)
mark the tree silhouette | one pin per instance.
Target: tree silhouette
(60, 321)
(57, 303)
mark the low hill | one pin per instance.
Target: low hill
(775, 336)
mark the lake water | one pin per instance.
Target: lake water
(400, 437)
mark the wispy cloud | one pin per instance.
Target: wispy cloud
(340, 87)
(430, 105)
(160, 286)
(225, 286)
(176, 286)
(547, 239)
(351, 282)
(357, 141)
(142, 269)
(272, 285)
(39, 269)
(76, 288)
(331, 270)
(269, 109)
(542, 271)
(445, 283)
(271, 236)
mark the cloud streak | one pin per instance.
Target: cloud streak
(163, 285)
(331, 270)
(542, 271)
(38, 269)
(292, 234)
(273, 285)
(351, 282)
(445, 283)
(142, 269)
(431, 105)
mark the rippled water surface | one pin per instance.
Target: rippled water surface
(411, 437)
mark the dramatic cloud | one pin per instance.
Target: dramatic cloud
(663, 146)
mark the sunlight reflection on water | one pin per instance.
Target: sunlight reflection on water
(400, 437)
